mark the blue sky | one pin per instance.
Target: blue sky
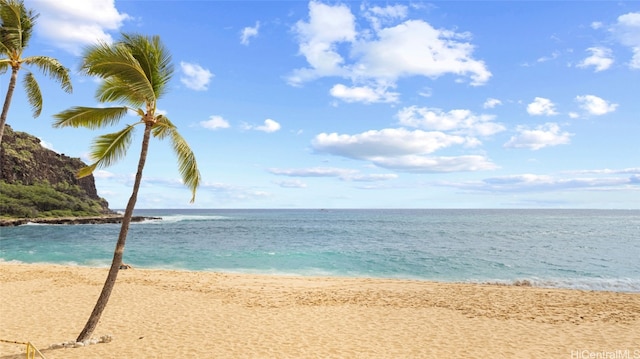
(409, 104)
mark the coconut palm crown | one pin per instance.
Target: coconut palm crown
(134, 71)
(16, 28)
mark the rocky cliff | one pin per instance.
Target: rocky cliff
(38, 182)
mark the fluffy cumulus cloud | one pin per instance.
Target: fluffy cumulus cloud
(627, 31)
(269, 126)
(402, 149)
(462, 122)
(491, 103)
(594, 105)
(412, 147)
(542, 136)
(74, 24)
(541, 107)
(249, 32)
(195, 76)
(415, 48)
(388, 142)
(215, 122)
(601, 59)
(379, 16)
(364, 94)
(328, 26)
(375, 58)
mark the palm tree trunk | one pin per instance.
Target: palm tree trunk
(7, 100)
(110, 282)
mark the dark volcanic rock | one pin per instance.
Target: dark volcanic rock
(72, 220)
(23, 161)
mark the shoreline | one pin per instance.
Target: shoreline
(12, 222)
(207, 314)
(523, 282)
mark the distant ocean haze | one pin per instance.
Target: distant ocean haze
(581, 249)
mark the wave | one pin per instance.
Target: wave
(36, 224)
(188, 218)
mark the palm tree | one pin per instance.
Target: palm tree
(134, 71)
(15, 33)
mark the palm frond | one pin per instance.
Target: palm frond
(17, 25)
(86, 171)
(33, 93)
(108, 149)
(89, 117)
(117, 90)
(53, 69)
(163, 127)
(154, 59)
(106, 61)
(5, 64)
(187, 165)
(3, 47)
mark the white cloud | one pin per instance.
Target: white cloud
(341, 173)
(554, 55)
(327, 26)
(630, 170)
(383, 15)
(541, 106)
(380, 55)
(47, 145)
(74, 24)
(635, 60)
(363, 94)
(542, 136)
(313, 172)
(601, 59)
(387, 142)
(458, 121)
(371, 177)
(195, 76)
(541, 183)
(215, 122)
(594, 105)
(269, 126)
(402, 150)
(415, 48)
(249, 32)
(103, 174)
(627, 31)
(429, 164)
(230, 193)
(426, 92)
(291, 184)
(491, 103)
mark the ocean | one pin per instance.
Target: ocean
(579, 249)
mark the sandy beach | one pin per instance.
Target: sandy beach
(175, 314)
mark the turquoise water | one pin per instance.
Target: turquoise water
(584, 249)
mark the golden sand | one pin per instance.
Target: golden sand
(180, 314)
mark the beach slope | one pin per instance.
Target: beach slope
(171, 314)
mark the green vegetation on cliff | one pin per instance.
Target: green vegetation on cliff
(36, 182)
(45, 200)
